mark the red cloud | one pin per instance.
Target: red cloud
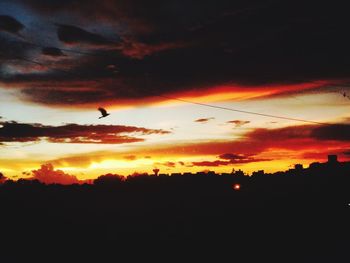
(2, 178)
(46, 174)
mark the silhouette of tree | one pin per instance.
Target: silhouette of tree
(109, 179)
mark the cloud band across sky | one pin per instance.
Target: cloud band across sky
(73, 133)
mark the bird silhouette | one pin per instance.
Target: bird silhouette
(103, 112)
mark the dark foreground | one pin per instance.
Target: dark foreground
(295, 218)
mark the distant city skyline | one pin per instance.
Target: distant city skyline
(49, 175)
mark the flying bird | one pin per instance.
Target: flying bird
(103, 112)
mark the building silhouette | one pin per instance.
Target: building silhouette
(258, 173)
(298, 167)
(332, 159)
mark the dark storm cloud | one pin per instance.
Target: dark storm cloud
(56, 95)
(75, 35)
(12, 49)
(174, 46)
(73, 133)
(10, 24)
(52, 51)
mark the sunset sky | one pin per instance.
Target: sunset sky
(155, 65)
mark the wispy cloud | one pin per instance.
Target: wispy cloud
(238, 123)
(204, 120)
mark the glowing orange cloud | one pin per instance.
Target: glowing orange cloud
(48, 175)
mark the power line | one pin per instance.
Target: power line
(243, 111)
(198, 103)
(172, 98)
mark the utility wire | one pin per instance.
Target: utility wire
(174, 98)
(243, 111)
(198, 103)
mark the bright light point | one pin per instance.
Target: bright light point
(237, 187)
